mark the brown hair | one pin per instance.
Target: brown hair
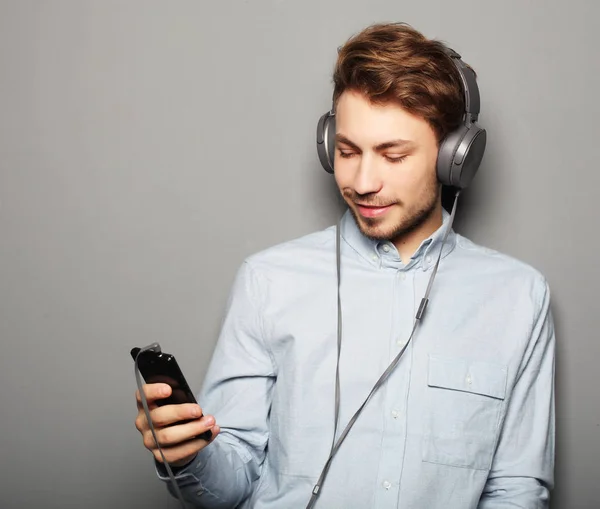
(395, 63)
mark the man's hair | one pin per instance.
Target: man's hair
(394, 63)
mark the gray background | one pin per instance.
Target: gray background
(147, 147)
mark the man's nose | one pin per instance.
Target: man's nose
(368, 177)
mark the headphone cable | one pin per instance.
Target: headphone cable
(418, 318)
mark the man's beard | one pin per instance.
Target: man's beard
(413, 218)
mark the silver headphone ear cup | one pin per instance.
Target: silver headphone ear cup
(446, 152)
(460, 155)
(326, 141)
(468, 156)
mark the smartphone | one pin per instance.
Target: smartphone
(161, 367)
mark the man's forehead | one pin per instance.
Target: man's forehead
(366, 123)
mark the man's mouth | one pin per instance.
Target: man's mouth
(372, 210)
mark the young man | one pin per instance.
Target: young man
(466, 417)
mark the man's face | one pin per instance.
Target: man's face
(385, 166)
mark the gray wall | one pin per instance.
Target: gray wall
(147, 147)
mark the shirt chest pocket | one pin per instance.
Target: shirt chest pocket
(464, 403)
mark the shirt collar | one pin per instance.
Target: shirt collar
(384, 253)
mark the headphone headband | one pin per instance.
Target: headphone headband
(469, 86)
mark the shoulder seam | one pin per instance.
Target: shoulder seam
(261, 306)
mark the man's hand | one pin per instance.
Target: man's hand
(176, 440)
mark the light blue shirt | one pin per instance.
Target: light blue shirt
(465, 421)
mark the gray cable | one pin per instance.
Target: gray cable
(339, 337)
(390, 368)
(138, 380)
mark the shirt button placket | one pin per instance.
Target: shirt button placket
(394, 435)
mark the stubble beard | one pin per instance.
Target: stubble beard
(411, 219)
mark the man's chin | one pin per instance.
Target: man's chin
(375, 233)
(375, 228)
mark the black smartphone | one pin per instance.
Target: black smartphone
(161, 367)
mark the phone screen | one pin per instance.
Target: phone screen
(161, 367)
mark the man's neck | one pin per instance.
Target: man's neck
(409, 243)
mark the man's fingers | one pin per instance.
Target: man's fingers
(152, 392)
(175, 435)
(178, 440)
(170, 414)
(184, 450)
(167, 415)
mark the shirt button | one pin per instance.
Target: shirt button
(469, 379)
(402, 276)
(387, 485)
(400, 343)
(374, 257)
(428, 258)
(395, 414)
(386, 248)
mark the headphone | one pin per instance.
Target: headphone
(460, 152)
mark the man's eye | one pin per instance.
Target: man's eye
(346, 155)
(397, 159)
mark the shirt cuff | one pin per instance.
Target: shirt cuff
(183, 475)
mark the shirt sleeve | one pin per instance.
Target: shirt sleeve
(237, 391)
(522, 472)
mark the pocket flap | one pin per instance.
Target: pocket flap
(467, 375)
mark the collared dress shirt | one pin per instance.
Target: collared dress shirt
(466, 420)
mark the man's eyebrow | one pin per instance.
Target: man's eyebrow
(399, 143)
(394, 144)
